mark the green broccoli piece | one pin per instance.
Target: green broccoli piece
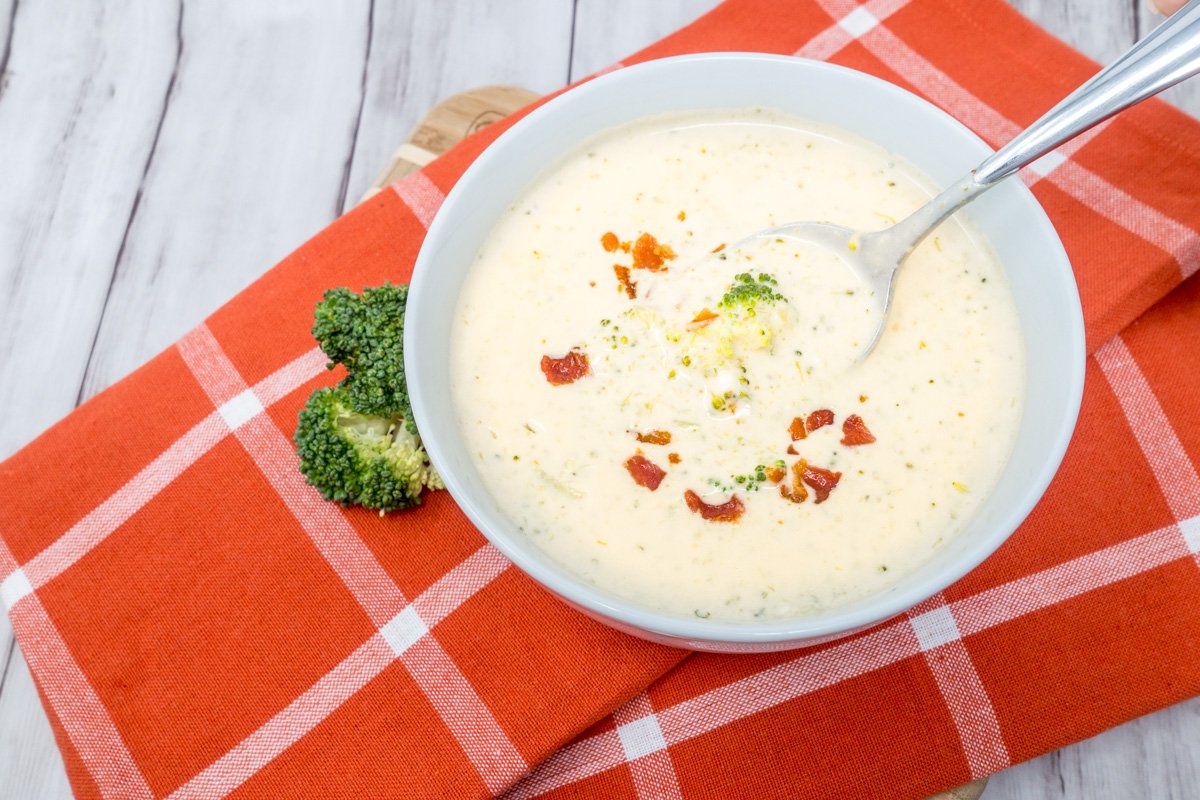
(361, 459)
(365, 334)
(357, 442)
(747, 292)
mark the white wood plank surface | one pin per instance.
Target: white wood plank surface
(1154, 757)
(30, 765)
(157, 157)
(606, 31)
(423, 52)
(239, 133)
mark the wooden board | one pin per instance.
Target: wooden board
(447, 124)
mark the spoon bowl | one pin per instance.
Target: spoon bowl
(863, 254)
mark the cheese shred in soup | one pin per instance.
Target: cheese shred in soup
(682, 421)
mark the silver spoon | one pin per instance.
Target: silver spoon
(1167, 56)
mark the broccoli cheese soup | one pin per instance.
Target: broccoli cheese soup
(682, 420)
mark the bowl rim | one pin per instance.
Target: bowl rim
(833, 623)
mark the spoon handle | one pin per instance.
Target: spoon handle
(1168, 55)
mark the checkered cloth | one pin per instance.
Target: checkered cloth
(200, 623)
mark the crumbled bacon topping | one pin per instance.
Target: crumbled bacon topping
(775, 474)
(819, 419)
(610, 242)
(644, 471)
(796, 430)
(673, 458)
(649, 254)
(729, 511)
(855, 431)
(702, 320)
(568, 369)
(654, 437)
(795, 492)
(624, 284)
(821, 480)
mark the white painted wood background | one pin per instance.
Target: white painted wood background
(157, 157)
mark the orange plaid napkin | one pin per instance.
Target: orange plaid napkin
(200, 624)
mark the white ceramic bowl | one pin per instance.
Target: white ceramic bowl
(1030, 251)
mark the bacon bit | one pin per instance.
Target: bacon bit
(591, 283)
(623, 283)
(626, 247)
(649, 254)
(855, 431)
(821, 480)
(718, 248)
(775, 474)
(568, 369)
(796, 491)
(791, 451)
(702, 320)
(729, 511)
(673, 458)
(654, 437)
(681, 216)
(819, 419)
(862, 398)
(796, 429)
(645, 472)
(610, 242)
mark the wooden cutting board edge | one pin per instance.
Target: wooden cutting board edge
(449, 122)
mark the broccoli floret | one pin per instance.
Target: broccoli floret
(357, 442)
(747, 292)
(365, 334)
(751, 314)
(361, 459)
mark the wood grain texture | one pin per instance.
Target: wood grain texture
(1152, 757)
(156, 157)
(448, 123)
(70, 189)
(30, 765)
(423, 51)
(606, 31)
(8, 13)
(262, 105)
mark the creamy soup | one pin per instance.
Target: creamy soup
(682, 421)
